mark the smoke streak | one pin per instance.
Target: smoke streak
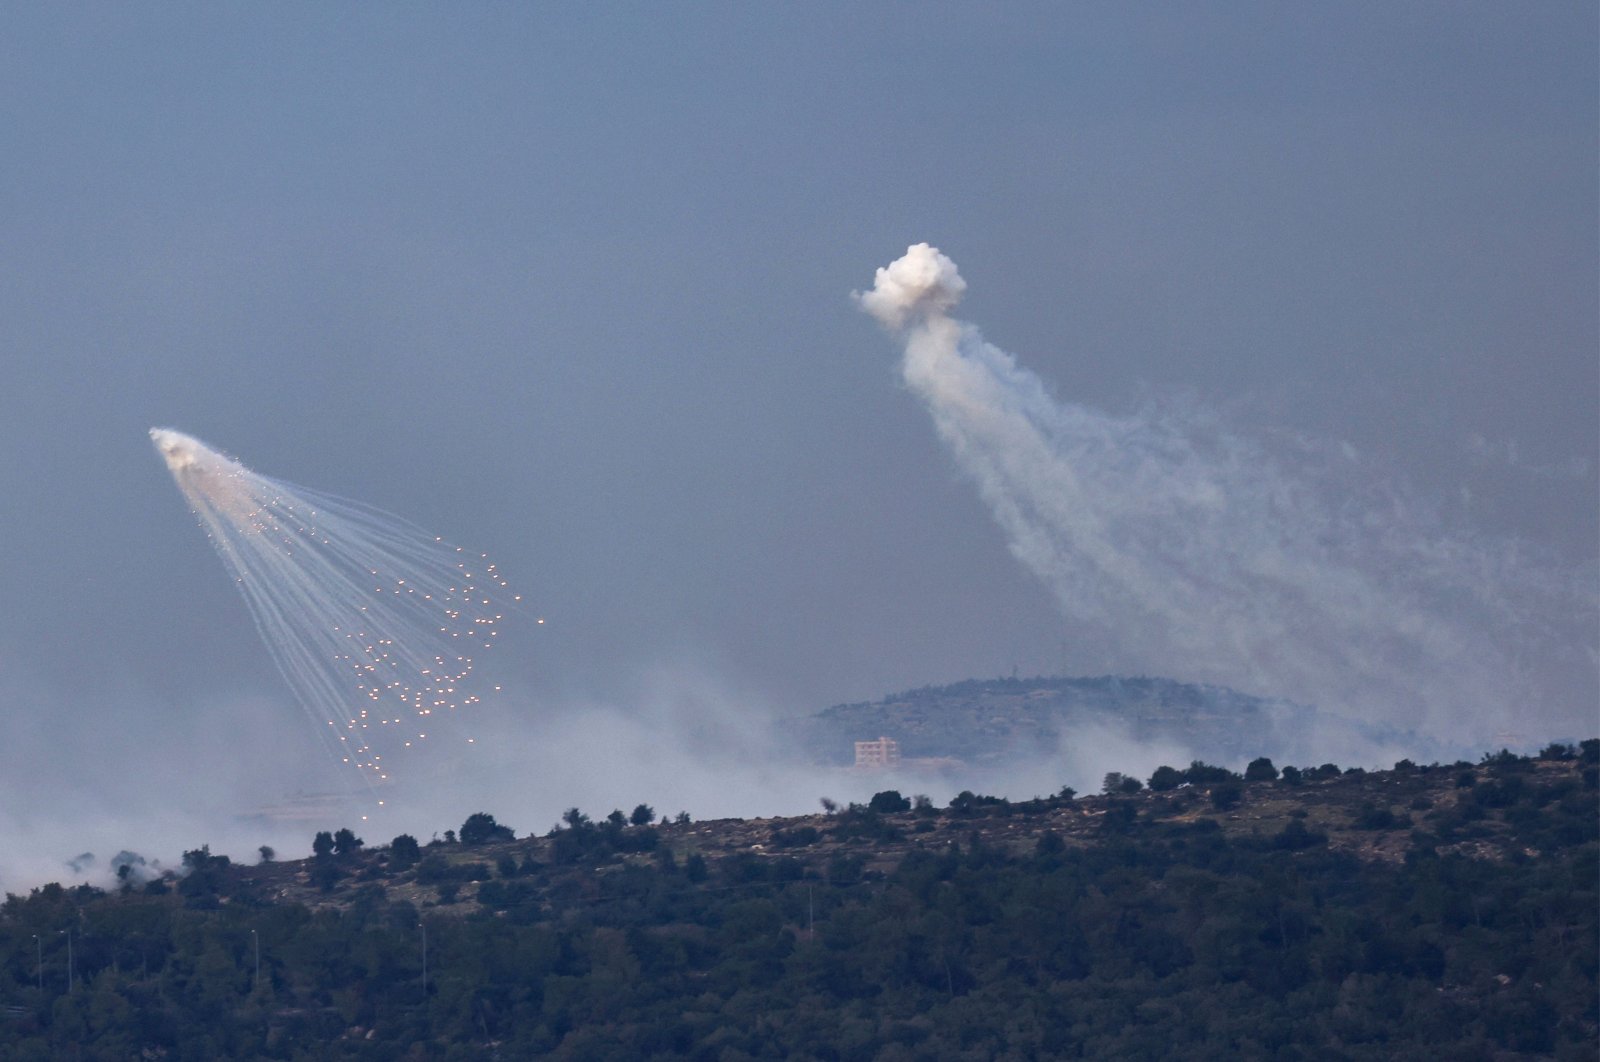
(1176, 546)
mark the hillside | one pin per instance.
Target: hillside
(1425, 911)
(997, 722)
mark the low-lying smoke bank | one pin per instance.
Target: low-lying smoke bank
(1177, 546)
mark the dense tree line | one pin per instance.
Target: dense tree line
(1165, 937)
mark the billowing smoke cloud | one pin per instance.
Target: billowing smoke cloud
(1177, 546)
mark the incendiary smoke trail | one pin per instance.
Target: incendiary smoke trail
(372, 621)
(1177, 546)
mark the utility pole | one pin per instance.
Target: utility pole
(68, 933)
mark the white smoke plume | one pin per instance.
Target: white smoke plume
(1177, 546)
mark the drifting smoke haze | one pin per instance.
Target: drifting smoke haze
(1176, 546)
(679, 738)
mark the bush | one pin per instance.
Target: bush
(436, 870)
(480, 828)
(1296, 835)
(888, 802)
(967, 802)
(1200, 773)
(798, 837)
(1227, 795)
(1372, 816)
(1261, 770)
(404, 851)
(1165, 778)
(1119, 817)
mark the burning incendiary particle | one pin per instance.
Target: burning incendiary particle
(371, 621)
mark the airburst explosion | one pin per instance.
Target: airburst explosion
(372, 621)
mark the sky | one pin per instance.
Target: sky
(571, 284)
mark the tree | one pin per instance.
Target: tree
(1130, 784)
(1260, 770)
(1291, 776)
(1165, 778)
(322, 844)
(1202, 773)
(480, 828)
(204, 878)
(345, 842)
(404, 851)
(888, 802)
(643, 815)
(1112, 783)
(267, 853)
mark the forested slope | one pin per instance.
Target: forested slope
(1425, 912)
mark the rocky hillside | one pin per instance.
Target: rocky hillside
(1466, 809)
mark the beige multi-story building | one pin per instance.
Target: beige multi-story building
(884, 752)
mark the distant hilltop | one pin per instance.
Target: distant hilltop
(988, 723)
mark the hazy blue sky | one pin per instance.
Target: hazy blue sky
(570, 283)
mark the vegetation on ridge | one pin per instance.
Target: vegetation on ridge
(1426, 911)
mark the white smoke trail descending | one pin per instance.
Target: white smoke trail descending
(1180, 547)
(372, 622)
